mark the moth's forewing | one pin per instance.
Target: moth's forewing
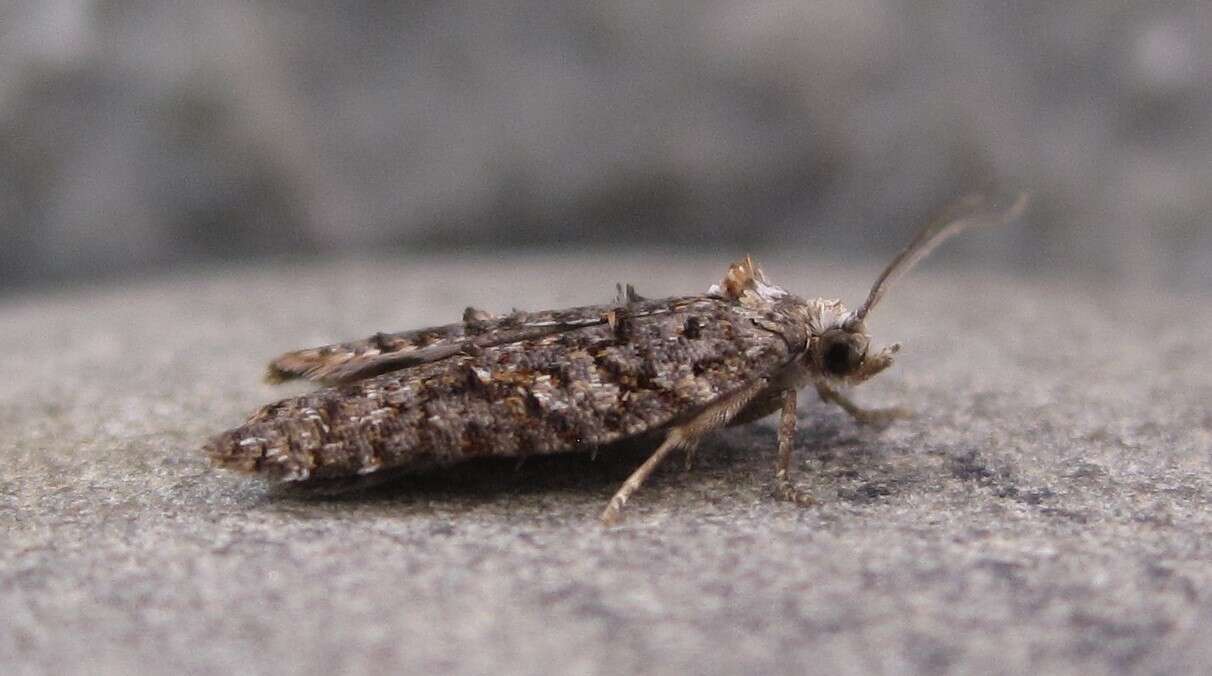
(598, 378)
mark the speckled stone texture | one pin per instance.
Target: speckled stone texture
(1046, 510)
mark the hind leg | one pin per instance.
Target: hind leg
(614, 509)
(685, 436)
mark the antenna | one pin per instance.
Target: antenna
(970, 210)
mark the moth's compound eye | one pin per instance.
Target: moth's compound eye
(840, 355)
(837, 358)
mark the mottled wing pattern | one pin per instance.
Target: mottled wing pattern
(640, 368)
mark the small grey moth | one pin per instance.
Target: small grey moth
(576, 379)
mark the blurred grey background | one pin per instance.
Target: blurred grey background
(150, 136)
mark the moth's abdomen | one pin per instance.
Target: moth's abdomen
(576, 389)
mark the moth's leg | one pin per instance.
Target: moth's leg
(613, 510)
(866, 416)
(714, 417)
(783, 487)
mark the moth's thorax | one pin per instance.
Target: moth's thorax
(746, 284)
(834, 341)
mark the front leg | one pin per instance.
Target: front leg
(878, 417)
(784, 489)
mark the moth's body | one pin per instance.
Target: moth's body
(589, 382)
(561, 381)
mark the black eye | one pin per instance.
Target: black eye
(841, 358)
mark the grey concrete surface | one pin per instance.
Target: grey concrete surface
(1046, 510)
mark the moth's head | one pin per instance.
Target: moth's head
(839, 344)
(841, 351)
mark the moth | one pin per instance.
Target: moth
(577, 379)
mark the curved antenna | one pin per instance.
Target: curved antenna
(968, 211)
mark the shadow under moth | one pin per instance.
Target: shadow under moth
(571, 380)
